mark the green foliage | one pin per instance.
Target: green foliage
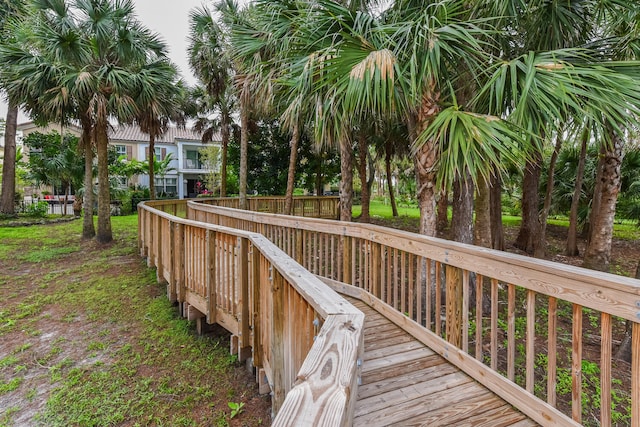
(36, 210)
(236, 408)
(54, 160)
(268, 161)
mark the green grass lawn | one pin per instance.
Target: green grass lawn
(378, 209)
(88, 338)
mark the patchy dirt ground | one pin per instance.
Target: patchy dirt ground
(87, 337)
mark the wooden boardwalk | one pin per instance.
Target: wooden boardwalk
(406, 383)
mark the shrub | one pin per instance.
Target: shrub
(36, 210)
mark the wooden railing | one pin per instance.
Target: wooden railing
(538, 334)
(307, 206)
(305, 338)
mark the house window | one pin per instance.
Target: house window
(121, 150)
(192, 160)
(166, 187)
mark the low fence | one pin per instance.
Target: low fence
(304, 337)
(538, 334)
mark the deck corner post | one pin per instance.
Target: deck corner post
(454, 305)
(277, 342)
(256, 309)
(243, 331)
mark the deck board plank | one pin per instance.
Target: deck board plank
(403, 382)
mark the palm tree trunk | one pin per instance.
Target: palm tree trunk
(346, 181)
(291, 175)
(442, 211)
(7, 199)
(462, 219)
(495, 211)
(387, 165)
(104, 234)
(572, 237)
(425, 159)
(528, 236)
(362, 172)
(152, 158)
(88, 229)
(224, 133)
(542, 247)
(482, 226)
(244, 148)
(598, 253)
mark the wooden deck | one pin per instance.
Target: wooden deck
(406, 383)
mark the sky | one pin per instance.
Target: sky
(169, 18)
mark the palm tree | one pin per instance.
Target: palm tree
(158, 102)
(93, 61)
(9, 9)
(209, 60)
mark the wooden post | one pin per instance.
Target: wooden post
(244, 344)
(277, 341)
(257, 281)
(158, 250)
(454, 305)
(212, 294)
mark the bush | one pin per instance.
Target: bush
(36, 210)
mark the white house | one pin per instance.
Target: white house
(184, 146)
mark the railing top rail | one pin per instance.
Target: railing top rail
(617, 295)
(322, 298)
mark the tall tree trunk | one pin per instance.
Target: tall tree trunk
(387, 165)
(152, 157)
(482, 226)
(224, 134)
(442, 211)
(571, 248)
(87, 140)
(365, 198)
(598, 253)
(425, 162)
(7, 199)
(597, 195)
(541, 249)
(346, 180)
(244, 151)
(291, 175)
(462, 218)
(104, 234)
(528, 236)
(495, 208)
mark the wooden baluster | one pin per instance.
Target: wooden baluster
(412, 284)
(465, 311)
(552, 333)
(576, 365)
(511, 332)
(403, 282)
(494, 324)
(605, 370)
(427, 292)
(212, 294)
(479, 326)
(376, 262)
(635, 375)
(531, 341)
(438, 308)
(258, 280)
